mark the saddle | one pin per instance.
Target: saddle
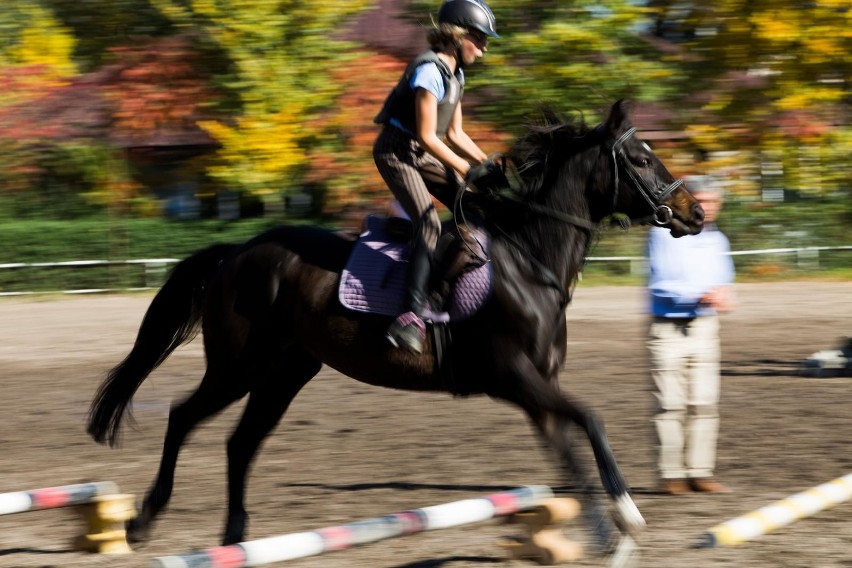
(374, 279)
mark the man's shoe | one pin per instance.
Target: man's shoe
(407, 332)
(708, 485)
(675, 487)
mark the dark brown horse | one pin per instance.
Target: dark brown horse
(270, 313)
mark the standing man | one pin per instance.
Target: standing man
(689, 284)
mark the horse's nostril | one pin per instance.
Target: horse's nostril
(698, 212)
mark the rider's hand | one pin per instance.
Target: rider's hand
(486, 176)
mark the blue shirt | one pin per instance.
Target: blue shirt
(682, 270)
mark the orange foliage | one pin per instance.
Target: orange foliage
(159, 87)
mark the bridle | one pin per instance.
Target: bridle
(663, 214)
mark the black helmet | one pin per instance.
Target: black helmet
(471, 14)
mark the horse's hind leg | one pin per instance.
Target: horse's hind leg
(268, 401)
(211, 397)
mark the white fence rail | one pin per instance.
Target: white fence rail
(806, 257)
(155, 268)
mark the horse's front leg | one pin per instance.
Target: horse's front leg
(563, 439)
(553, 413)
(611, 476)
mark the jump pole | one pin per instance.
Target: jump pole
(312, 543)
(779, 514)
(53, 497)
(103, 509)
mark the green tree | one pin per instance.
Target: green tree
(100, 25)
(280, 53)
(577, 55)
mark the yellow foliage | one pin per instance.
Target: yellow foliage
(706, 136)
(821, 49)
(43, 44)
(719, 102)
(258, 152)
(777, 25)
(803, 98)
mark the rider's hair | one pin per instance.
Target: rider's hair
(445, 37)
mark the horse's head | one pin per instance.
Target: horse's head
(641, 187)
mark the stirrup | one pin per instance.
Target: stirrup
(407, 332)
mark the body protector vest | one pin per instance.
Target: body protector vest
(400, 101)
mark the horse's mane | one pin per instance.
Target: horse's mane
(538, 158)
(549, 139)
(548, 173)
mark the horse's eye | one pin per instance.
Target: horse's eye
(644, 162)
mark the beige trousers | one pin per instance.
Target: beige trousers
(684, 355)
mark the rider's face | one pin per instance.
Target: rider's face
(474, 44)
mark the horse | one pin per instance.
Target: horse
(270, 315)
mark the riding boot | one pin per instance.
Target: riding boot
(408, 330)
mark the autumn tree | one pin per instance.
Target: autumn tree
(771, 75)
(35, 56)
(279, 53)
(99, 26)
(35, 51)
(73, 138)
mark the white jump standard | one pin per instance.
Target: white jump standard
(312, 543)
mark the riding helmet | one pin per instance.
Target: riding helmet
(470, 14)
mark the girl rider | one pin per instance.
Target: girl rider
(420, 116)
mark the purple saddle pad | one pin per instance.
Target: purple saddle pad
(375, 276)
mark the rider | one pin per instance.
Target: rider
(421, 114)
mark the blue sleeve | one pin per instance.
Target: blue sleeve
(428, 77)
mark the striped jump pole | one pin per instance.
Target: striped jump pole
(312, 543)
(779, 514)
(102, 508)
(53, 497)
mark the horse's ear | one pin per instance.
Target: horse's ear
(620, 115)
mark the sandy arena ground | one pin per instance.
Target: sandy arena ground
(346, 451)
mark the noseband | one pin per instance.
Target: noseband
(663, 214)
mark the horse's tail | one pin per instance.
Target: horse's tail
(171, 320)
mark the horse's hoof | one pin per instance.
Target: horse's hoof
(625, 555)
(630, 515)
(135, 531)
(235, 531)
